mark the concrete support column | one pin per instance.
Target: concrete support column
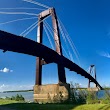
(61, 69)
(39, 65)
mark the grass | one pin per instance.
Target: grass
(4, 101)
(33, 106)
(93, 107)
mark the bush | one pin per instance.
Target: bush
(16, 98)
(19, 98)
(12, 98)
(7, 98)
(58, 98)
(106, 99)
(81, 97)
(91, 97)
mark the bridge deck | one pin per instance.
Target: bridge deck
(11, 42)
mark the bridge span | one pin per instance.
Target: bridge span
(19, 44)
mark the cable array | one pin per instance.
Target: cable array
(33, 26)
(48, 37)
(47, 27)
(28, 28)
(18, 20)
(64, 38)
(37, 3)
(69, 40)
(19, 13)
(53, 31)
(21, 8)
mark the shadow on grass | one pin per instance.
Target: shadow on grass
(106, 107)
(34, 106)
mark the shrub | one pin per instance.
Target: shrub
(106, 99)
(17, 98)
(7, 98)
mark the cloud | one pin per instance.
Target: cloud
(105, 54)
(6, 70)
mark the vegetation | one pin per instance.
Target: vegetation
(16, 98)
(33, 106)
(5, 101)
(106, 99)
(92, 98)
(80, 96)
(80, 99)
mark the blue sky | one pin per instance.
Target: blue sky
(88, 24)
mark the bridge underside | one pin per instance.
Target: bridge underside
(14, 43)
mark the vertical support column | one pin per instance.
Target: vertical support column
(61, 70)
(95, 76)
(38, 62)
(89, 80)
(92, 70)
(89, 84)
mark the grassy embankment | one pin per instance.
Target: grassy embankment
(32, 106)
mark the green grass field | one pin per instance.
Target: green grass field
(32, 106)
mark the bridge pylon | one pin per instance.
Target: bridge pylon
(92, 71)
(40, 62)
(42, 91)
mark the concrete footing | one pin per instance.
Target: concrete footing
(51, 93)
(93, 89)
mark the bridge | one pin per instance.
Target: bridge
(14, 43)
(19, 44)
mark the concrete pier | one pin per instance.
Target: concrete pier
(93, 89)
(51, 93)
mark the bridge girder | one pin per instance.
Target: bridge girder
(14, 43)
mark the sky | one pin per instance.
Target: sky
(86, 21)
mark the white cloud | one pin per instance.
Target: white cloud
(80, 84)
(105, 54)
(6, 70)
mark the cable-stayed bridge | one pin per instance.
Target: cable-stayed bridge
(14, 43)
(45, 55)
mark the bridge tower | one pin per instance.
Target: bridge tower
(40, 62)
(92, 71)
(40, 91)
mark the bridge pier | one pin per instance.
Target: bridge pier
(51, 93)
(92, 70)
(95, 89)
